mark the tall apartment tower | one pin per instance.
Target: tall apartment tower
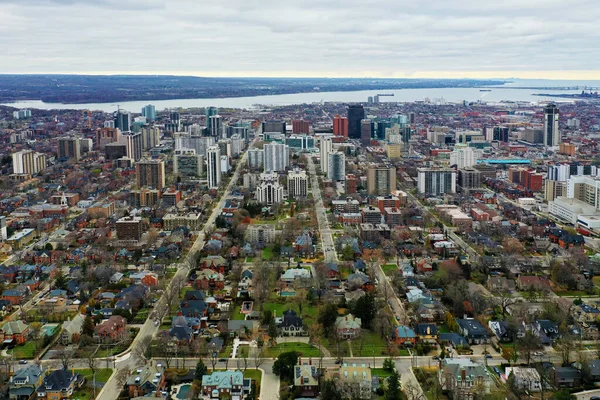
(150, 173)
(436, 181)
(149, 111)
(381, 180)
(175, 118)
(356, 113)
(277, 157)
(105, 136)
(123, 120)
(340, 126)
(210, 111)
(551, 134)
(213, 166)
(69, 147)
(133, 143)
(216, 126)
(366, 132)
(150, 137)
(336, 170)
(326, 148)
(28, 162)
(297, 183)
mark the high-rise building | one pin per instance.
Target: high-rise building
(366, 132)
(297, 183)
(210, 111)
(340, 126)
(129, 228)
(567, 149)
(411, 118)
(382, 125)
(216, 126)
(184, 140)
(381, 180)
(150, 173)
(551, 133)
(133, 142)
(464, 156)
(269, 191)
(175, 118)
(300, 126)
(123, 120)
(22, 114)
(356, 113)
(326, 147)
(149, 111)
(436, 181)
(69, 148)
(336, 169)
(187, 163)
(150, 137)
(256, 158)
(28, 162)
(115, 151)
(277, 157)
(469, 178)
(105, 136)
(300, 143)
(213, 164)
(273, 126)
(501, 134)
(109, 124)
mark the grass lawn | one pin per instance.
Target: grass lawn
(102, 375)
(333, 349)
(444, 329)
(225, 352)
(424, 375)
(267, 253)
(573, 293)
(304, 348)
(389, 269)
(281, 306)
(26, 351)
(367, 344)
(255, 375)
(380, 372)
(237, 315)
(249, 259)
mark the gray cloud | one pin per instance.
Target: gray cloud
(308, 37)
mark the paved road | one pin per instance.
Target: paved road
(325, 230)
(111, 390)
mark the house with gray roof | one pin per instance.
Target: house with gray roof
(24, 382)
(71, 329)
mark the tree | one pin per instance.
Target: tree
(200, 370)
(261, 282)
(563, 394)
(272, 331)
(347, 253)
(258, 357)
(388, 365)
(565, 345)
(65, 357)
(88, 326)
(60, 280)
(527, 344)
(143, 348)
(91, 361)
(393, 392)
(365, 310)
(283, 367)
(330, 391)
(327, 317)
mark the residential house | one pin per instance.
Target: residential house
(359, 266)
(332, 271)
(15, 296)
(525, 378)
(427, 333)
(208, 279)
(225, 384)
(501, 284)
(24, 382)
(306, 379)
(461, 376)
(116, 278)
(59, 384)
(291, 324)
(241, 328)
(348, 327)
(355, 381)
(5, 307)
(473, 331)
(293, 274)
(532, 282)
(215, 263)
(500, 330)
(565, 377)
(404, 335)
(16, 332)
(53, 305)
(180, 331)
(545, 330)
(360, 280)
(146, 381)
(110, 330)
(453, 339)
(71, 330)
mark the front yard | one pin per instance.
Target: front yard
(305, 349)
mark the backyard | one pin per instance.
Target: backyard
(87, 390)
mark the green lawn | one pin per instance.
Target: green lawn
(369, 344)
(267, 253)
(389, 269)
(304, 348)
(237, 315)
(255, 375)
(380, 372)
(87, 391)
(25, 351)
(102, 375)
(573, 293)
(281, 306)
(444, 329)
(225, 352)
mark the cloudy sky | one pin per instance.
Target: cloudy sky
(352, 38)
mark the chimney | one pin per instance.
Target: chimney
(310, 361)
(299, 361)
(463, 374)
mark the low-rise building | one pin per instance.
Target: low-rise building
(59, 384)
(225, 384)
(355, 381)
(348, 327)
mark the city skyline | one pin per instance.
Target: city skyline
(530, 39)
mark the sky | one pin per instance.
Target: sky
(546, 39)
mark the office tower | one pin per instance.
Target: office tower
(187, 163)
(213, 169)
(554, 189)
(256, 158)
(216, 126)
(394, 151)
(469, 178)
(184, 140)
(277, 157)
(356, 114)
(175, 118)
(340, 126)
(297, 183)
(123, 120)
(336, 169)
(242, 131)
(85, 145)
(150, 137)
(436, 181)
(300, 143)
(149, 111)
(326, 147)
(269, 191)
(411, 118)
(69, 148)
(273, 126)
(381, 127)
(210, 112)
(551, 134)
(150, 173)
(366, 132)
(300, 126)
(406, 134)
(133, 142)
(501, 134)
(28, 162)
(381, 180)
(115, 151)
(464, 156)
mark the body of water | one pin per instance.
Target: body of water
(450, 95)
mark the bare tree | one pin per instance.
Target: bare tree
(142, 346)
(121, 377)
(261, 282)
(91, 362)
(258, 357)
(66, 357)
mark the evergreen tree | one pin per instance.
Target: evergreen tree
(88, 326)
(200, 370)
(330, 391)
(60, 281)
(394, 392)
